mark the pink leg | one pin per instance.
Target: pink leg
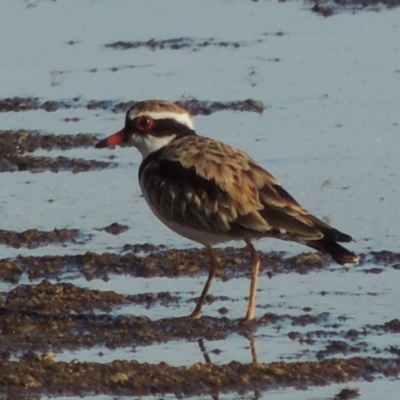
(213, 269)
(255, 267)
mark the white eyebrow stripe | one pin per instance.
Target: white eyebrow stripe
(183, 118)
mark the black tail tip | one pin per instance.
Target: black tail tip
(341, 255)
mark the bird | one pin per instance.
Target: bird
(210, 192)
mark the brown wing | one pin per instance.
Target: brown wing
(211, 186)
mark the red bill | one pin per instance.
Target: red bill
(119, 137)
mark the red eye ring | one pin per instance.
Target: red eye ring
(144, 123)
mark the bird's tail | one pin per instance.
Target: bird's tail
(336, 251)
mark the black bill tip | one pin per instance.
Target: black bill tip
(103, 143)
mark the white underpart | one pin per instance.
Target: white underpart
(148, 144)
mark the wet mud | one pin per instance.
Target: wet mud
(33, 238)
(40, 319)
(194, 106)
(173, 44)
(328, 8)
(44, 313)
(48, 316)
(34, 373)
(17, 146)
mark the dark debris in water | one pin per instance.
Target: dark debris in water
(36, 374)
(155, 262)
(177, 44)
(67, 299)
(39, 318)
(15, 145)
(33, 238)
(60, 316)
(327, 8)
(19, 104)
(23, 141)
(63, 316)
(196, 107)
(114, 228)
(34, 164)
(385, 257)
(347, 394)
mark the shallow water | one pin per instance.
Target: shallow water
(329, 132)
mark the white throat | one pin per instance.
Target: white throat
(148, 144)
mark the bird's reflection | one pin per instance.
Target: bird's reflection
(254, 357)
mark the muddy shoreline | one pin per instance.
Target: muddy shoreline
(39, 320)
(92, 304)
(132, 378)
(47, 316)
